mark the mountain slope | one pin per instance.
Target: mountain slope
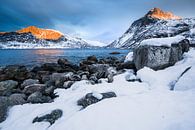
(33, 37)
(155, 24)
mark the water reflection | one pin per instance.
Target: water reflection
(48, 52)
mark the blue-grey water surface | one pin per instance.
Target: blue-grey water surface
(31, 57)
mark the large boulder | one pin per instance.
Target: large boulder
(159, 57)
(7, 86)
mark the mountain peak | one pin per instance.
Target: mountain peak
(160, 14)
(42, 33)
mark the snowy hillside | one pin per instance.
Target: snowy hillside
(148, 27)
(42, 38)
(147, 105)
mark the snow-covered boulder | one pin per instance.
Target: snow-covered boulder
(161, 56)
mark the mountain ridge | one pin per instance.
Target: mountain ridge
(148, 27)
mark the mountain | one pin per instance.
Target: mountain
(34, 37)
(156, 24)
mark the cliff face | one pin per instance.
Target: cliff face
(42, 33)
(159, 14)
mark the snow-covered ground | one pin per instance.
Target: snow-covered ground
(163, 41)
(149, 105)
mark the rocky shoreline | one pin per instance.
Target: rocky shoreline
(19, 85)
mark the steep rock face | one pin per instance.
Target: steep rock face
(42, 33)
(155, 24)
(159, 14)
(159, 57)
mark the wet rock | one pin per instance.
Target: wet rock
(51, 118)
(115, 53)
(28, 82)
(92, 58)
(52, 67)
(92, 98)
(126, 65)
(89, 61)
(4, 104)
(17, 99)
(68, 84)
(34, 88)
(67, 66)
(38, 97)
(15, 72)
(7, 86)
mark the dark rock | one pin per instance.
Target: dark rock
(100, 70)
(52, 67)
(68, 84)
(7, 86)
(34, 88)
(28, 82)
(93, 79)
(17, 99)
(90, 98)
(15, 72)
(75, 77)
(126, 65)
(49, 91)
(92, 58)
(38, 97)
(51, 118)
(67, 66)
(4, 104)
(185, 45)
(115, 53)
(110, 78)
(60, 78)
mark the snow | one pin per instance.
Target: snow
(97, 95)
(95, 43)
(146, 105)
(163, 41)
(129, 57)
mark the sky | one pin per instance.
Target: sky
(99, 20)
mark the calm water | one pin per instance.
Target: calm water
(40, 56)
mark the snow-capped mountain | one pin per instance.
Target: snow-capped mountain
(33, 37)
(156, 24)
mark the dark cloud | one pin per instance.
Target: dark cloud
(93, 19)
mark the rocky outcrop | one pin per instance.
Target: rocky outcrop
(159, 57)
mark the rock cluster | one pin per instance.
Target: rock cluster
(20, 85)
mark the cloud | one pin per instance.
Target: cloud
(102, 20)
